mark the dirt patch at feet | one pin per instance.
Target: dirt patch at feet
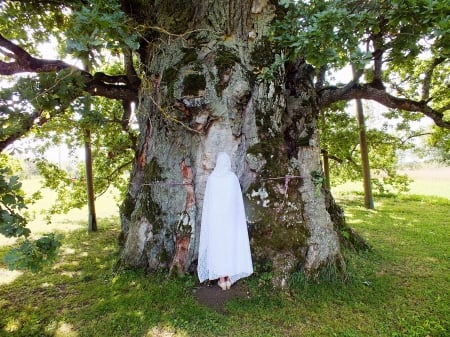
(210, 295)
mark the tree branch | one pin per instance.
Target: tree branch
(333, 157)
(24, 62)
(372, 92)
(421, 134)
(427, 80)
(121, 87)
(115, 87)
(27, 123)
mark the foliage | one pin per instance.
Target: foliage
(268, 73)
(13, 224)
(94, 30)
(440, 140)
(397, 289)
(403, 40)
(340, 139)
(33, 20)
(30, 254)
(335, 33)
(84, 26)
(112, 151)
(46, 94)
(318, 180)
(33, 255)
(97, 26)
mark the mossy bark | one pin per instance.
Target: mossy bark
(202, 93)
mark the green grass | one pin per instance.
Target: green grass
(399, 289)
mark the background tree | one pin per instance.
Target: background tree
(386, 141)
(112, 149)
(240, 76)
(368, 197)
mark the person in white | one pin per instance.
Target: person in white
(224, 251)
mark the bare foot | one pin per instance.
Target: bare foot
(222, 283)
(227, 282)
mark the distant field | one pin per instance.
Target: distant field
(427, 181)
(430, 181)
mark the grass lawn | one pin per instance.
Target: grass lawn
(399, 289)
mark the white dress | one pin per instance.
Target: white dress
(224, 246)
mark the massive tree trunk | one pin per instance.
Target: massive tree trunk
(203, 93)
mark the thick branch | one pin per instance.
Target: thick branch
(371, 92)
(330, 156)
(120, 92)
(321, 77)
(99, 84)
(130, 72)
(24, 62)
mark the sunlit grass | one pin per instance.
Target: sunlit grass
(106, 206)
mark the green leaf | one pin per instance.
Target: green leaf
(34, 255)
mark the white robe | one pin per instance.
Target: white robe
(224, 246)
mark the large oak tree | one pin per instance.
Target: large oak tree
(248, 77)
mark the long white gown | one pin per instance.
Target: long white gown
(224, 246)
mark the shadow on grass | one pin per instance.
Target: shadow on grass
(80, 295)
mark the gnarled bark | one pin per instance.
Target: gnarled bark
(203, 95)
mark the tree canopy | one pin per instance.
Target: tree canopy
(400, 49)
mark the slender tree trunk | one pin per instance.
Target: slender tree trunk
(92, 219)
(368, 197)
(203, 93)
(367, 183)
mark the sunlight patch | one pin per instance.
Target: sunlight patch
(65, 330)
(8, 276)
(47, 285)
(70, 274)
(12, 325)
(159, 331)
(65, 265)
(68, 251)
(4, 241)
